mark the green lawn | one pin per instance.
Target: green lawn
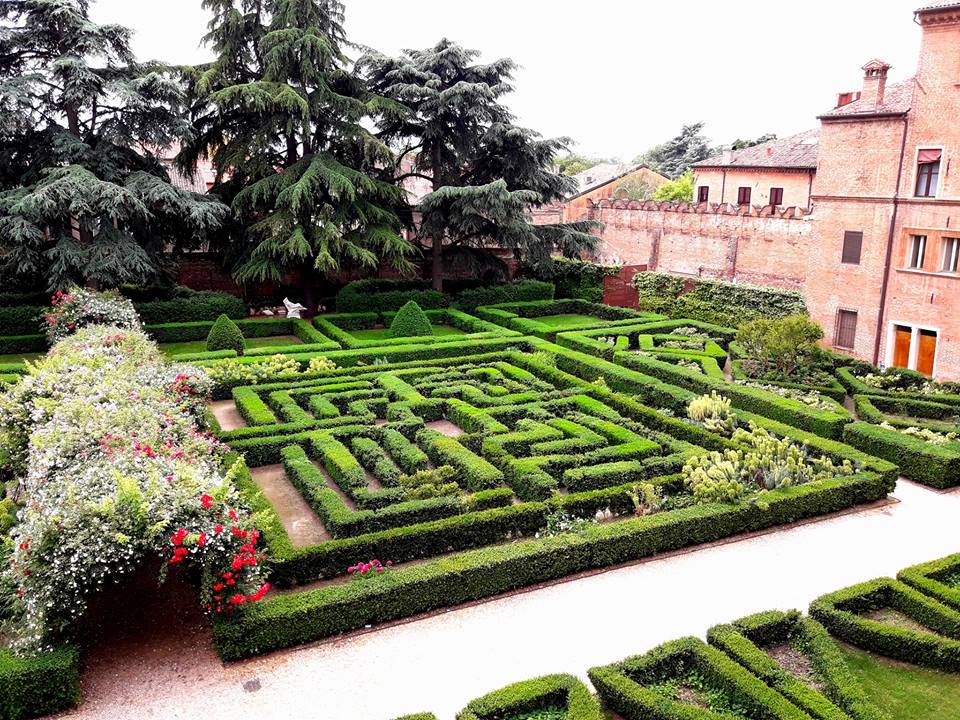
(906, 692)
(198, 346)
(20, 358)
(566, 322)
(384, 333)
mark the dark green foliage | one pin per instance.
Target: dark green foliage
(784, 344)
(382, 295)
(939, 579)
(38, 685)
(543, 693)
(842, 612)
(191, 306)
(628, 687)
(485, 171)
(934, 465)
(410, 321)
(833, 692)
(282, 116)
(676, 155)
(520, 291)
(80, 197)
(715, 301)
(575, 278)
(225, 335)
(20, 320)
(15, 344)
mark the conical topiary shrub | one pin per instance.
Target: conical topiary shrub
(225, 335)
(410, 321)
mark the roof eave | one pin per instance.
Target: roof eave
(863, 116)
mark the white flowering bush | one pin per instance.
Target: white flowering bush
(926, 434)
(77, 308)
(713, 412)
(102, 436)
(807, 397)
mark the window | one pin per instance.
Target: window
(743, 196)
(918, 247)
(928, 172)
(951, 247)
(703, 193)
(776, 196)
(846, 332)
(852, 243)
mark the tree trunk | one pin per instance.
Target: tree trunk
(437, 265)
(309, 282)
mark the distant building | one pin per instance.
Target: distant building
(608, 180)
(778, 172)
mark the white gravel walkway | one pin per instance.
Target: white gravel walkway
(440, 663)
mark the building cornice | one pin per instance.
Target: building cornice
(758, 168)
(856, 117)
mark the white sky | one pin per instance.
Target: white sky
(622, 75)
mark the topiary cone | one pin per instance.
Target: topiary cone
(225, 335)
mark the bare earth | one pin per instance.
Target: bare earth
(298, 518)
(226, 413)
(441, 662)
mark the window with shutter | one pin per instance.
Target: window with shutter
(743, 196)
(852, 243)
(951, 248)
(917, 251)
(928, 173)
(846, 330)
(776, 196)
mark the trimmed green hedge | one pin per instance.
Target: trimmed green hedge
(302, 617)
(519, 291)
(375, 295)
(192, 306)
(842, 613)
(21, 320)
(17, 344)
(833, 390)
(837, 694)
(542, 693)
(523, 316)
(624, 686)
(907, 412)
(935, 465)
(38, 685)
(931, 578)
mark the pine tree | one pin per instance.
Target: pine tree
(281, 114)
(83, 197)
(674, 157)
(486, 172)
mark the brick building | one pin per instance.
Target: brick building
(870, 230)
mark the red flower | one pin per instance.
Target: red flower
(202, 540)
(179, 536)
(206, 501)
(218, 528)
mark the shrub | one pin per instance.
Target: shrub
(225, 335)
(191, 306)
(78, 308)
(543, 693)
(522, 290)
(714, 412)
(374, 295)
(785, 345)
(410, 321)
(40, 684)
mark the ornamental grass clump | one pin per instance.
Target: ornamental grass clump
(225, 335)
(114, 471)
(764, 462)
(713, 412)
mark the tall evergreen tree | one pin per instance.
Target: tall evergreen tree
(281, 115)
(83, 197)
(486, 172)
(674, 157)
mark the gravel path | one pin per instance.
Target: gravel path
(439, 663)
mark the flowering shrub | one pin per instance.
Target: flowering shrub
(321, 364)
(811, 398)
(230, 373)
(369, 569)
(78, 307)
(766, 462)
(102, 437)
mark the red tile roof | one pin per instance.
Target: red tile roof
(796, 152)
(896, 99)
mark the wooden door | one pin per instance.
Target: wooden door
(901, 347)
(927, 351)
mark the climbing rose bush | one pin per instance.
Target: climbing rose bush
(103, 438)
(77, 308)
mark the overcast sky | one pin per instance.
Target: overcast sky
(622, 75)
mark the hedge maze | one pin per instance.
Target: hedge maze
(492, 460)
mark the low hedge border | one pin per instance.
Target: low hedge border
(296, 618)
(842, 612)
(594, 343)
(855, 386)
(39, 685)
(622, 684)
(839, 696)
(928, 578)
(338, 327)
(922, 413)
(834, 390)
(529, 696)
(935, 465)
(20, 344)
(522, 316)
(172, 332)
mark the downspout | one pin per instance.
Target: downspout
(723, 187)
(889, 256)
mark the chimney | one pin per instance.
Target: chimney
(726, 156)
(874, 83)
